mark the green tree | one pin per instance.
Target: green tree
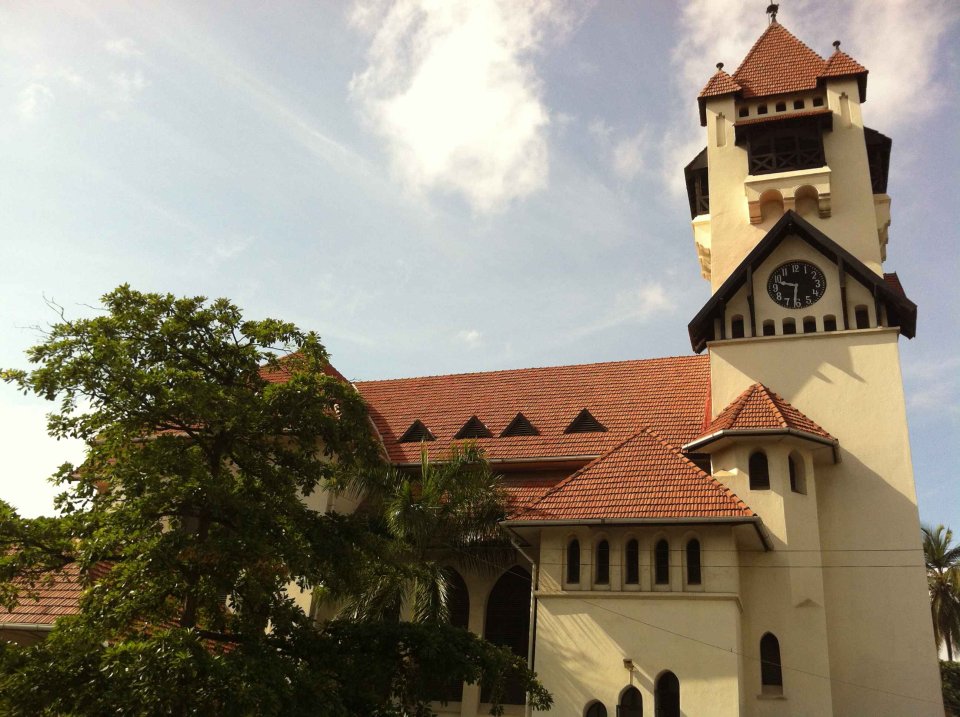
(440, 515)
(943, 579)
(192, 493)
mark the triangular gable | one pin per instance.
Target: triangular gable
(520, 426)
(900, 310)
(585, 423)
(641, 479)
(760, 411)
(416, 433)
(473, 428)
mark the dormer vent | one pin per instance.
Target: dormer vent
(417, 433)
(585, 423)
(520, 426)
(473, 428)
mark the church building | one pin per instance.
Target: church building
(733, 532)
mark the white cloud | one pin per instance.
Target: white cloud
(33, 101)
(123, 47)
(452, 87)
(471, 337)
(631, 306)
(629, 155)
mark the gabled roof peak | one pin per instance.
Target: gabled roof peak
(756, 411)
(641, 478)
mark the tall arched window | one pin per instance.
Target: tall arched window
(771, 674)
(769, 328)
(458, 606)
(666, 696)
(693, 562)
(595, 709)
(798, 482)
(631, 703)
(573, 561)
(661, 561)
(789, 326)
(759, 471)
(508, 622)
(603, 563)
(862, 317)
(633, 562)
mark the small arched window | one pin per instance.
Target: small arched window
(771, 673)
(769, 328)
(781, 106)
(603, 563)
(809, 325)
(631, 703)
(798, 104)
(661, 561)
(798, 482)
(595, 709)
(759, 471)
(633, 562)
(743, 112)
(736, 327)
(666, 696)
(829, 322)
(862, 317)
(818, 101)
(789, 326)
(693, 562)
(573, 561)
(761, 109)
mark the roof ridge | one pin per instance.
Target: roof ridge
(724, 488)
(775, 400)
(740, 402)
(770, 28)
(621, 362)
(577, 472)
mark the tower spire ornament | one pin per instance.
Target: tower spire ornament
(772, 9)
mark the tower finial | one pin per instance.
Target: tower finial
(719, 65)
(836, 45)
(772, 12)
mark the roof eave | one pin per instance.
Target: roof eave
(753, 520)
(703, 441)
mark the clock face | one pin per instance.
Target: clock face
(796, 284)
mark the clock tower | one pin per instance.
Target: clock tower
(790, 216)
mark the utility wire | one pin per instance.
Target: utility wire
(731, 650)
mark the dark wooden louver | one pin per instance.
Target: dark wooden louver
(585, 423)
(520, 426)
(473, 428)
(416, 433)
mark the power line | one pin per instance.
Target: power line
(755, 659)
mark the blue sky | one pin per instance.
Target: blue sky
(433, 185)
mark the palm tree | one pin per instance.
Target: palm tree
(444, 514)
(943, 579)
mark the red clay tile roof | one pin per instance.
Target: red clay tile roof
(840, 64)
(60, 597)
(784, 116)
(643, 477)
(282, 373)
(777, 63)
(759, 408)
(720, 84)
(893, 281)
(666, 394)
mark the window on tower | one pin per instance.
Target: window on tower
(783, 146)
(769, 328)
(829, 322)
(809, 325)
(736, 327)
(781, 106)
(759, 471)
(789, 326)
(862, 317)
(698, 187)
